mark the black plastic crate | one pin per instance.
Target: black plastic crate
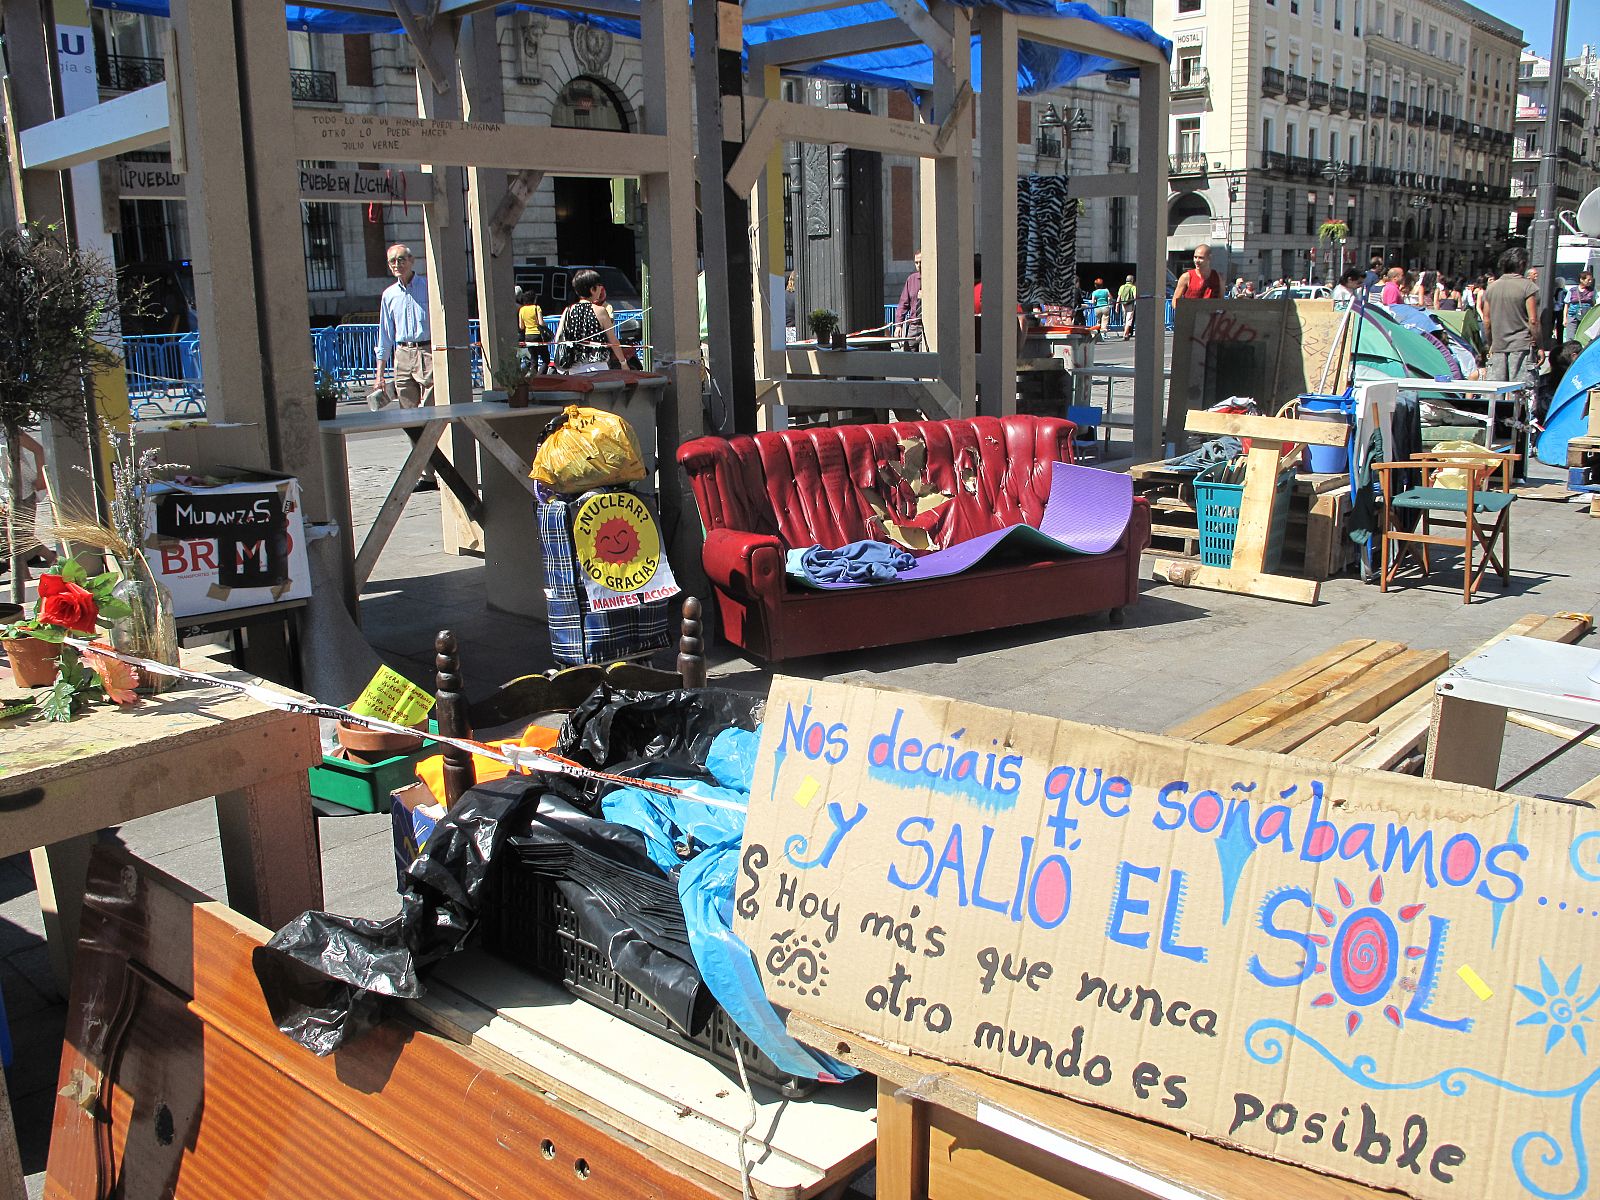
(527, 921)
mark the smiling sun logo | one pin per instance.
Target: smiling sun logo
(617, 542)
(1557, 1006)
(1365, 949)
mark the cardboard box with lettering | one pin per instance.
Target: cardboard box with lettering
(1389, 979)
(233, 543)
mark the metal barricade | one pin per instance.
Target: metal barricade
(163, 369)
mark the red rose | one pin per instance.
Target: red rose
(66, 604)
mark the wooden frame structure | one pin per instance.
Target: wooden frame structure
(949, 377)
(230, 121)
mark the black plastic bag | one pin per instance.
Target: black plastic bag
(612, 726)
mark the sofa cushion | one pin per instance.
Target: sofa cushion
(816, 486)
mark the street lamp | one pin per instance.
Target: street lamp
(1336, 173)
(1419, 204)
(1049, 133)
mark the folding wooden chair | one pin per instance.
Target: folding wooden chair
(1481, 516)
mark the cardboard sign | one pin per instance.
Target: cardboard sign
(619, 551)
(1379, 977)
(236, 544)
(1268, 350)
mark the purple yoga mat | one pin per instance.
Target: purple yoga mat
(1086, 513)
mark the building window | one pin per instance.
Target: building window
(1119, 226)
(1266, 210)
(1449, 47)
(1311, 144)
(1316, 11)
(1288, 210)
(1416, 32)
(1266, 133)
(1116, 8)
(1188, 129)
(1189, 66)
(1433, 39)
(1338, 14)
(324, 272)
(1187, 8)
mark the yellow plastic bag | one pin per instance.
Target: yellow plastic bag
(1454, 477)
(589, 449)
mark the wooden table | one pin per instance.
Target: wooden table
(60, 783)
(201, 1096)
(947, 1131)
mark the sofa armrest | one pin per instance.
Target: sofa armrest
(746, 564)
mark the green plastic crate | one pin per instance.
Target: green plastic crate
(1217, 510)
(365, 787)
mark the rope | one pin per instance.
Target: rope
(520, 758)
(744, 1134)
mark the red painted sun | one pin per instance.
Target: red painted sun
(1365, 953)
(616, 541)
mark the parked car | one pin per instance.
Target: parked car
(1300, 291)
(552, 284)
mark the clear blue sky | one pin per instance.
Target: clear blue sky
(1536, 17)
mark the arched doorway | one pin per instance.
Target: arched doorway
(1188, 225)
(586, 232)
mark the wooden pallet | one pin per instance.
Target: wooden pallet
(1364, 702)
(1314, 543)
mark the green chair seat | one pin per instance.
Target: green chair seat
(1452, 500)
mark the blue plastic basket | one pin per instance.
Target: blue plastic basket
(1217, 509)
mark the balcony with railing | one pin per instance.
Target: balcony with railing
(1383, 176)
(1275, 162)
(129, 73)
(1300, 165)
(1319, 94)
(1523, 148)
(1186, 164)
(1195, 81)
(1431, 119)
(1358, 102)
(1047, 145)
(1297, 87)
(1375, 227)
(1380, 106)
(1413, 114)
(1463, 125)
(1523, 190)
(1121, 156)
(1338, 99)
(314, 87)
(1571, 116)
(1271, 81)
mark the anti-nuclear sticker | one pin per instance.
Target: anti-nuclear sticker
(619, 551)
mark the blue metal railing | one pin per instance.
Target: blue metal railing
(164, 369)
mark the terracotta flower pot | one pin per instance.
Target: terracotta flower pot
(33, 661)
(375, 745)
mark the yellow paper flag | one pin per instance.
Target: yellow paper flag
(392, 697)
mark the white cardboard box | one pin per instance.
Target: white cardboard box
(236, 544)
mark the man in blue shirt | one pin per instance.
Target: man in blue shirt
(405, 345)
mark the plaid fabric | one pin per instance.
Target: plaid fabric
(578, 635)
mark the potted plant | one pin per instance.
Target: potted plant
(55, 300)
(824, 323)
(70, 602)
(512, 368)
(327, 392)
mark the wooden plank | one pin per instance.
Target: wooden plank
(853, 393)
(134, 121)
(1464, 741)
(1283, 429)
(1240, 583)
(1404, 726)
(1202, 722)
(1554, 728)
(887, 364)
(673, 1102)
(1303, 695)
(395, 502)
(1260, 497)
(889, 34)
(1360, 702)
(1155, 1161)
(1336, 741)
(1589, 792)
(366, 137)
(1074, 33)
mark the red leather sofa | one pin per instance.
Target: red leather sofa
(762, 495)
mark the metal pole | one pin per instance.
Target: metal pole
(1542, 236)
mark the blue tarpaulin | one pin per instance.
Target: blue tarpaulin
(1040, 68)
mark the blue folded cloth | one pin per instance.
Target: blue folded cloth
(855, 562)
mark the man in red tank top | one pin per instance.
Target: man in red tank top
(1200, 282)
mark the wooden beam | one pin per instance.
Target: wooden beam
(332, 185)
(760, 140)
(880, 364)
(864, 131)
(1362, 700)
(831, 43)
(1281, 429)
(1186, 573)
(365, 137)
(135, 121)
(419, 34)
(519, 191)
(395, 502)
(771, 10)
(1297, 698)
(1089, 37)
(1195, 727)
(921, 22)
(1149, 353)
(955, 122)
(997, 203)
(856, 393)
